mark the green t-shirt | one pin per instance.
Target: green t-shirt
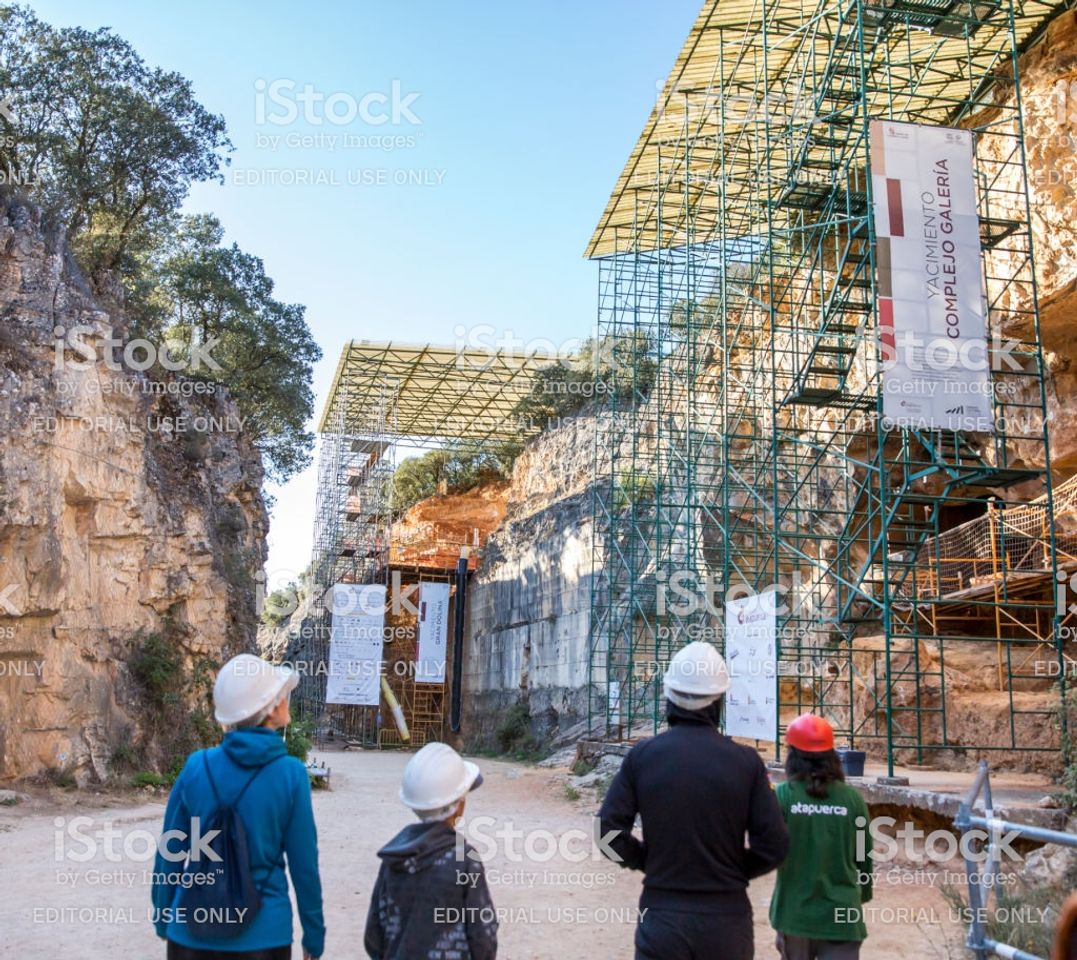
(821, 885)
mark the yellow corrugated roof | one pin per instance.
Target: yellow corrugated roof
(429, 391)
(740, 50)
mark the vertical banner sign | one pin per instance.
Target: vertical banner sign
(356, 634)
(751, 708)
(433, 632)
(614, 711)
(932, 331)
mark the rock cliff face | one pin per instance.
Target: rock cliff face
(1048, 74)
(131, 525)
(529, 602)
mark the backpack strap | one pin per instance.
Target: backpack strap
(235, 803)
(209, 775)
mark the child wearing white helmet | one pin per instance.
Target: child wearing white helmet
(430, 897)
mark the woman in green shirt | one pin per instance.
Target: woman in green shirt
(822, 885)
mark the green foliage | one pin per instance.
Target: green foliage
(416, 479)
(176, 766)
(221, 298)
(559, 391)
(299, 738)
(284, 601)
(1068, 780)
(513, 734)
(108, 143)
(695, 317)
(124, 757)
(281, 604)
(156, 665)
(148, 778)
(633, 488)
(61, 777)
(176, 700)
(571, 793)
(109, 147)
(583, 766)
(454, 467)
(1006, 921)
(1067, 796)
(621, 368)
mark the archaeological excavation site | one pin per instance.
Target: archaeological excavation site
(761, 425)
(745, 557)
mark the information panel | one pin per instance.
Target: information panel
(356, 636)
(931, 305)
(751, 708)
(433, 632)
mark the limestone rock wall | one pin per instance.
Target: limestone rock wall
(1048, 72)
(529, 604)
(127, 509)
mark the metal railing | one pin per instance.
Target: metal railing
(985, 877)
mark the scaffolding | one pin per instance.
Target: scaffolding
(387, 398)
(352, 523)
(737, 260)
(356, 460)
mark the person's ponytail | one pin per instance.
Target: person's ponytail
(816, 770)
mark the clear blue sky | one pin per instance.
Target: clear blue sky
(527, 112)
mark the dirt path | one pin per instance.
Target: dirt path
(558, 904)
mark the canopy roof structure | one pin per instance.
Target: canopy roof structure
(752, 62)
(433, 392)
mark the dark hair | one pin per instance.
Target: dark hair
(817, 770)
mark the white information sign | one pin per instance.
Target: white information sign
(356, 636)
(932, 331)
(751, 708)
(433, 632)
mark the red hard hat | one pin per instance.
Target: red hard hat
(810, 733)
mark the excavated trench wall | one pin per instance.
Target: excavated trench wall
(529, 603)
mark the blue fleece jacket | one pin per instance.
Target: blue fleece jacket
(279, 822)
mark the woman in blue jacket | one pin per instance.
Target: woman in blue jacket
(251, 703)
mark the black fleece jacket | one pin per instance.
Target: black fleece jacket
(430, 900)
(698, 795)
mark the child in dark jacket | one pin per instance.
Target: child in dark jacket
(430, 900)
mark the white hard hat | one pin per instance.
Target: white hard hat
(436, 777)
(247, 685)
(696, 676)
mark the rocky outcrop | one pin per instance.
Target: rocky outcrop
(130, 512)
(1048, 72)
(431, 533)
(529, 604)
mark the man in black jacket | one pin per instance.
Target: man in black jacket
(698, 795)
